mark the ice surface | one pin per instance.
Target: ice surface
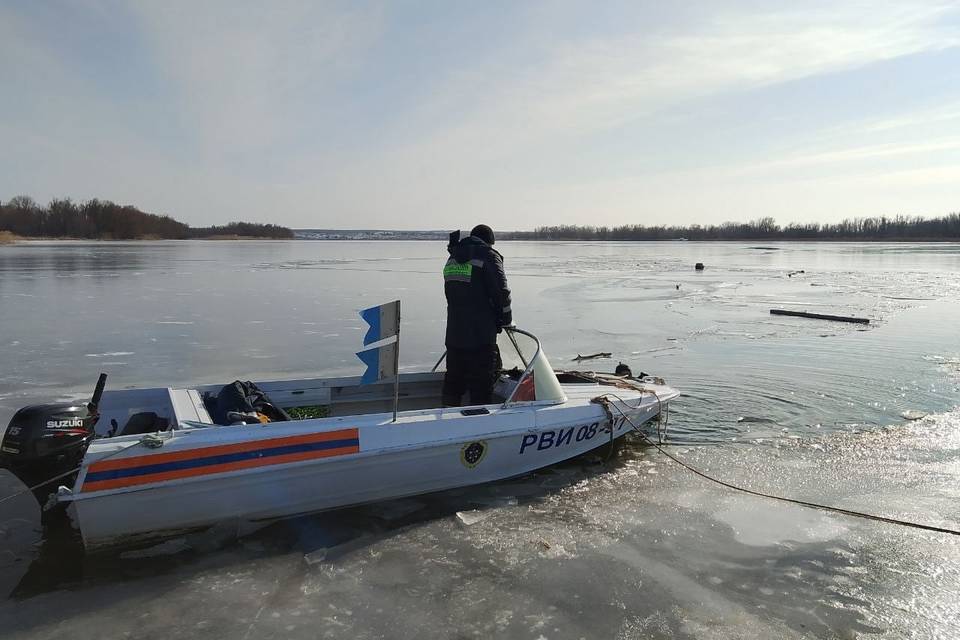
(634, 548)
(469, 518)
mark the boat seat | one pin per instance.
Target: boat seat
(144, 422)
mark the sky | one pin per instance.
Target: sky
(437, 115)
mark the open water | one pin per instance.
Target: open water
(634, 547)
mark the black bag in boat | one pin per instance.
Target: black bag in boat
(242, 398)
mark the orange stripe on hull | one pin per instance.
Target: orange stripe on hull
(192, 454)
(220, 468)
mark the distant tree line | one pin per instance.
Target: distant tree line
(245, 229)
(105, 220)
(882, 228)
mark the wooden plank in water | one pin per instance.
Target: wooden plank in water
(819, 316)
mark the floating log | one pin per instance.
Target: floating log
(602, 354)
(819, 316)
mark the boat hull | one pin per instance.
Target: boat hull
(385, 465)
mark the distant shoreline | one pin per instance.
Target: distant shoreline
(63, 219)
(751, 240)
(946, 229)
(8, 239)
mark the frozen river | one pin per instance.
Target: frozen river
(636, 547)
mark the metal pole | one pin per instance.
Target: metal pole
(516, 346)
(396, 368)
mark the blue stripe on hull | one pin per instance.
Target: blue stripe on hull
(220, 459)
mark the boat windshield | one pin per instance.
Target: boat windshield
(538, 382)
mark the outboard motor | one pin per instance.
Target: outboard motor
(46, 440)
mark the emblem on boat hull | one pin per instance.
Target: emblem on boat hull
(473, 453)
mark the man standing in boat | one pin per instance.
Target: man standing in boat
(478, 307)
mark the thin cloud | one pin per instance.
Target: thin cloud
(246, 72)
(314, 114)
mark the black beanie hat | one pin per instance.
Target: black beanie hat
(483, 232)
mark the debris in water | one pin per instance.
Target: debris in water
(818, 316)
(913, 414)
(497, 501)
(698, 266)
(600, 354)
(556, 482)
(337, 550)
(793, 273)
(624, 370)
(469, 518)
(315, 557)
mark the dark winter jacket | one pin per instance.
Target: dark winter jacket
(478, 298)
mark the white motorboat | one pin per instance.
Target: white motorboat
(162, 464)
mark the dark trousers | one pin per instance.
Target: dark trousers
(473, 370)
